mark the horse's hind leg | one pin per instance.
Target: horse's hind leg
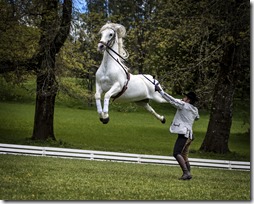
(151, 110)
(146, 105)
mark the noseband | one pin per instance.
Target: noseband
(111, 42)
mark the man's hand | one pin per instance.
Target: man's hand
(157, 88)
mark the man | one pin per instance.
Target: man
(184, 118)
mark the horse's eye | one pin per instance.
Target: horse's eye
(111, 34)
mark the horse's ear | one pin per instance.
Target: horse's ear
(121, 31)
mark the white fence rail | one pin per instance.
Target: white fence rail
(117, 156)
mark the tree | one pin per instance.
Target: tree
(49, 22)
(236, 51)
(55, 30)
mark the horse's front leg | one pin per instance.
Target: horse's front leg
(116, 88)
(98, 101)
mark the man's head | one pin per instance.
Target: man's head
(190, 98)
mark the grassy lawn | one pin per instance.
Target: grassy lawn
(132, 132)
(43, 178)
(131, 129)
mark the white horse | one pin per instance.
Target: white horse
(113, 78)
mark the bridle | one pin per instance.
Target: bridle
(111, 42)
(108, 46)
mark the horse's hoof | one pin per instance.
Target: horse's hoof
(104, 120)
(163, 120)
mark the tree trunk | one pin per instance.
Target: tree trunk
(217, 136)
(54, 33)
(44, 108)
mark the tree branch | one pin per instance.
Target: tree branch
(65, 25)
(10, 66)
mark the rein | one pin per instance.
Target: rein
(126, 72)
(108, 47)
(153, 82)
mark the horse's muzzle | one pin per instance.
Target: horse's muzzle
(101, 47)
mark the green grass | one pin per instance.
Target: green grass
(132, 132)
(43, 178)
(131, 129)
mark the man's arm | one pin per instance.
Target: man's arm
(173, 101)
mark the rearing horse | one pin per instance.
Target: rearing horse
(113, 78)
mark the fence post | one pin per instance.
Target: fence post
(229, 165)
(92, 156)
(43, 151)
(139, 158)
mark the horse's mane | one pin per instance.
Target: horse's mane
(121, 33)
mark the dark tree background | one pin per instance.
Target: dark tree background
(236, 17)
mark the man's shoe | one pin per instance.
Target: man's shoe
(186, 176)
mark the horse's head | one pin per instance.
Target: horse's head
(108, 37)
(110, 33)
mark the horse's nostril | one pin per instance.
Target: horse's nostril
(100, 47)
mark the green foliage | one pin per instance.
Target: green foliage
(73, 88)
(70, 60)
(18, 43)
(12, 91)
(180, 42)
(19, 40)
(41, 178)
